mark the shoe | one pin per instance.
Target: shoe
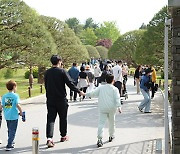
(75, 100)
(50, 143)
(9, 147)
(0, 141)
(152, 97)
(111, 139)
(148, 112)
(99, 143)
(140, 109)
(65, 138)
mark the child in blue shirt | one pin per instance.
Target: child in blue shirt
(10, 108)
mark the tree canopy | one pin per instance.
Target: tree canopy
(92, 51)
(23, 37)
(103, 52)
(68, 44)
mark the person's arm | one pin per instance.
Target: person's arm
(20, 110)
(117, 100)
(93, 93)
(69, 82)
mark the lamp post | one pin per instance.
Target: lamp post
(174, 9)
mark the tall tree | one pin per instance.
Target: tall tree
(88, 37)
(125, 47)
(74, 24)
(22, 36)
(150, 49)
(90, 24)
(108, 30)
(68, 44)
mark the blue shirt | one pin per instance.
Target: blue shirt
(144, 80)
(9, 104)
(74, 73)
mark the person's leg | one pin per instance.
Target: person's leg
(111, 120)
(84, 90)
(118, 84)
(153, 90)
(51, 116)
(101, 123)
(147, 107)
(137, 86)
(75, 93)
(12, 127)
(62, 112)
(71, 94)
(145, 101)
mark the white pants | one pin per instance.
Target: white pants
(103, 116)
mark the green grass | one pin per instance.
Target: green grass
(22, 84)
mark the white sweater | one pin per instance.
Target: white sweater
(108, 97)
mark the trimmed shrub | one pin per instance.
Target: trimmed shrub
(35, 73)
(103, 52)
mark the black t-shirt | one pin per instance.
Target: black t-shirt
(55, 80)
(83, 75)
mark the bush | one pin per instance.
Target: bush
(103, 52)
(35, 74)
(9, 73)
(92, 51)
(169, 75)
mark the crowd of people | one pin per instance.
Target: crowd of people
(105, 80)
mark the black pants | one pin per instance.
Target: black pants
(152, 89)
(84, 90)
(96, 81)
(0, 117)
(53, 108)
(75, 93)
(118, 84)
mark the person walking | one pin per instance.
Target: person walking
(97, 74)
(137, 78)
(90, 78)
(83, 82)
(153, 78)
(145, 86)
(108, 102)
(55, 80)
(74, 74)
(118, 77)
(10, 105)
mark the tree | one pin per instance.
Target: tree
(23, 37)
(68, 44)
(90, 24)
(88, 37)
(103, 52)
(74, 24)
(150, 48)
(107, 43)
(92, 51)
(125, 47)
(108, 30)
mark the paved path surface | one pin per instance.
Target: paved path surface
(136, 132)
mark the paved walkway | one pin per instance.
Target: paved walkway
(136, 132)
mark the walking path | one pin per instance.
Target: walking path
(136, 132)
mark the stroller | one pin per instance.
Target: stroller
(124, 90)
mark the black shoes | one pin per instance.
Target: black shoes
(140, 109)
(148, 112)
(99, 143)
(111, 139)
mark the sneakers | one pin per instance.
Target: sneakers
(65, 138)
(99, 143)
(9, 147)
(50, 143)
(140, 109)
(111, 139)
(0, 141)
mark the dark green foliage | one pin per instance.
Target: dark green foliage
(35, 73)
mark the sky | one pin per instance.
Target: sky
(128, 14)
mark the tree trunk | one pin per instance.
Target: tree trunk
(41, 70)
(31, 76)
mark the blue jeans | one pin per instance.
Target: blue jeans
(146, 103)
(12, 127)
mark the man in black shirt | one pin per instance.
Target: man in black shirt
(55, 80)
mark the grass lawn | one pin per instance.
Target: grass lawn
(22, 85)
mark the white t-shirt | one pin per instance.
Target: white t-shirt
(117, 72)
